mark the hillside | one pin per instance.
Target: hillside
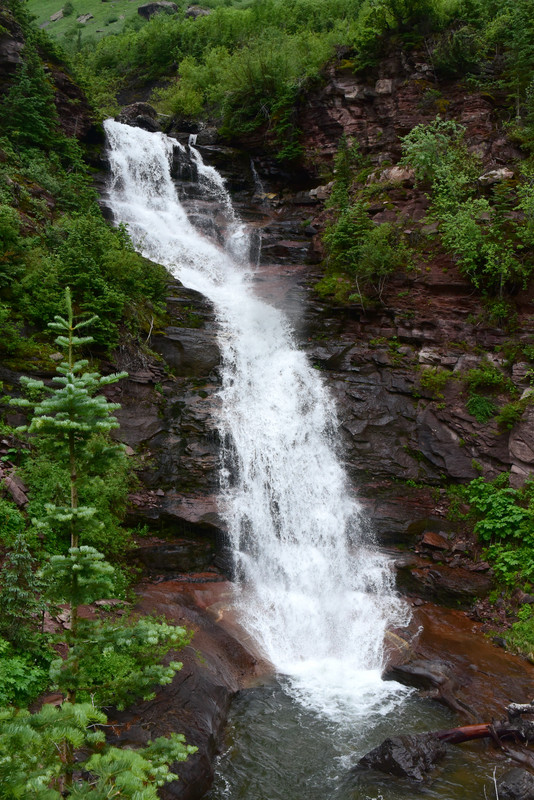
(380, 153)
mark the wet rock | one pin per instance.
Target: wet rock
(516, 784)
(215, 666)
(140, 115)
(408, 756)
(149, 9)
(177, 556)
(448, 657)
(189, 351)
(456, 587)
(435, 540)
(421, 674)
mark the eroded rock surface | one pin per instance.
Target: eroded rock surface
(447, 656)
(215, 665)
(516, 784)
(408, 756)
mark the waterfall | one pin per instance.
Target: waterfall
(312, 590)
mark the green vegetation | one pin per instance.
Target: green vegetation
(96, 661)
(52, 232)
(503, 520)
(361, 256)
(434, 380)
(504, 523)
(35, 762)
(487, 243)
(68, 30)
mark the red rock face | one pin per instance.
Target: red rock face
(379, 107)
(451, 659)
(196, 703)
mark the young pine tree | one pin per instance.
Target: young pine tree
(104, 662)
(21, 609)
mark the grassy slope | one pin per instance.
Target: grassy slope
(101, 11)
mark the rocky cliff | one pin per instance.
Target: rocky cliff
(394, 427)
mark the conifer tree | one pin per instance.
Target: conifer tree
(21, 609)
(33, 763)
(69, 417)
(106, 662)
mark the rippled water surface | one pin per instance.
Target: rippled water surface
(278, 750)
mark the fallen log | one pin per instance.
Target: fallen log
(516, 727)
(467, 733)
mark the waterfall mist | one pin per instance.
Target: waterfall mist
(311, 588)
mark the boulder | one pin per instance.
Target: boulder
(384, 86)
(496, 176)
(398, 174)
(516, 784)
(406, 756)
(83, 18)
(194, 12)
(139, 115)
(149, 9)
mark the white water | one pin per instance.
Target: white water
(317, 597)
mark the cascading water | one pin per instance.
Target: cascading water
(316, 595)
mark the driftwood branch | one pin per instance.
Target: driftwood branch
(516, 727)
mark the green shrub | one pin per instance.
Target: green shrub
(505, 523)
(434, 380)
(22, 679)
(434, 148)
(520, 637)
(510, 414)
(482, 408)
(12, 522)
(27, 112)
(486, 376)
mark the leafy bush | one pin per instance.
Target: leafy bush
(434, 380)
(28, 112)
(21, 678)
(505, 523)
(487, 376)
(520, 637)
(510, 414)
(12, 522)
(486, 243)
(105, 273)
(433, 149)
(481, 408)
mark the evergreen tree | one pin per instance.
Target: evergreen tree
(21, 610)
(69, 418)
(28, 112)
(104, 662)
(34, 759)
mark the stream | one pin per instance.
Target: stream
(317, 612)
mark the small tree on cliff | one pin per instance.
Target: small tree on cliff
(106, 662)
(71, 423)
(112, 662)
